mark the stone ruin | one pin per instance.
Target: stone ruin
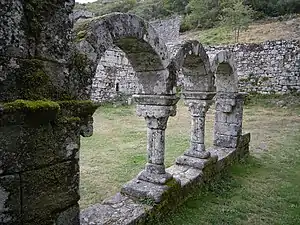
(45, 88)
(267, 68)
(115, 78)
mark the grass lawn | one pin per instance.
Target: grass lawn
(265, 189)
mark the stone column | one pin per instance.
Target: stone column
(228, 119)
(156, 117)
(197, 156)
(198, 109)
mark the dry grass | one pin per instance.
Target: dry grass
(257, 32)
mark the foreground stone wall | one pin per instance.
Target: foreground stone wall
(269, 67)
(115, 76)
(41, 115)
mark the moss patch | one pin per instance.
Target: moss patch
(32, 81)
(77, 108)
(33, 106)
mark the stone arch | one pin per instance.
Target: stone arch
(190, 57)
(198, 90)
(229, 103)
(224, 69)
(145, 51)
(155, 96)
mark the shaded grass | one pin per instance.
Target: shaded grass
(117, 151)
(262, 190)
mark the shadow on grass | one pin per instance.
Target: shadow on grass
(259, 190)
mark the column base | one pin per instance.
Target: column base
(154, 178)
(196, 162)
(197, 154)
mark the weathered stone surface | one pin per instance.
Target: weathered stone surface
(267, 67)
(49, 190)
(22, 149)
(186, 175)
(195, 162)
(116, 210)
(225, 141)
(10, 200)
(145, 190)
(13, 40)
(49, 28)
(69, 216)
(18, 76)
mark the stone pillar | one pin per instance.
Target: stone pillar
(228, 119)
(198, 109)
(196, 155)
(156, 117)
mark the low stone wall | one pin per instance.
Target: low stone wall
(121, 209)
(269, 67)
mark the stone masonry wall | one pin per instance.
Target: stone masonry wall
(268, 67)
(115, 76)
(41, 114)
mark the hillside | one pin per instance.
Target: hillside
(257, 32)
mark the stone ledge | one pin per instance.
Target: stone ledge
(153, 199)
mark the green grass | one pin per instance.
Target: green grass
(217, 35)
(262, 190)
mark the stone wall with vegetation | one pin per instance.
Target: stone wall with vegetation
(41, 114)
(269, 67)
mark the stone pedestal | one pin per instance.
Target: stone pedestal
(198, 109)
(156, 111)
(198, 103)
(228, 119)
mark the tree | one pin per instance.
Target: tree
(177, 6)
(203, 13)
(236, 15)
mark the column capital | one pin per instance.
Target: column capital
(156, 111)
(198, 108)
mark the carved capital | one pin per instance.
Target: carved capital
(156, 111)
(198, 108)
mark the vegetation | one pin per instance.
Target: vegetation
(117, 152)
(199, 13)
(236, 16)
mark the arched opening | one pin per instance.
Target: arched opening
(229, 103)
(198, 90)
(154, 94)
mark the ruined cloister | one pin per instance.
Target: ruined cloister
(45, 91)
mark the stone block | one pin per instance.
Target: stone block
(10, 200)
(13, 40)
(48, 190)
(221, 117)
(186, 175)
(69, 216)
(228, 129)
(225, 141)
(50, 28)
(27, 148)
(118, 209)
(143, 190)
(50, 80)
(195, 162)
